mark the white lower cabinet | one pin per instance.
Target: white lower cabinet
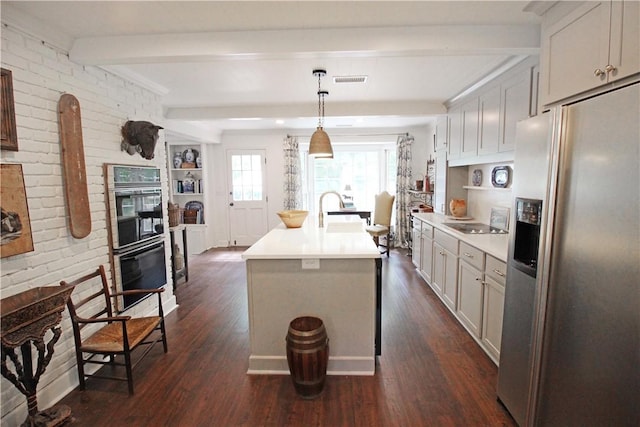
(196, 239)
(445, 268)
(495, 275)
(470, 288)
(467, 280)
(426, 254)
(416, 242)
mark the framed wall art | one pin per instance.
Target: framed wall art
(9, 134)
(16, 227)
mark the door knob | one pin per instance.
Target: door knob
(598, 72)
(609, 68)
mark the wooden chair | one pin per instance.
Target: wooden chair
(117, 335)
(382, 219)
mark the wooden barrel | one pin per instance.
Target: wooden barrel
(307, 355)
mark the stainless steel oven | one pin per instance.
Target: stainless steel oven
(134, 199)
(136, 229)
(142, 267)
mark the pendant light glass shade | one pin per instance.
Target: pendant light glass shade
(320, 145)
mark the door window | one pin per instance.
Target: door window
(246, 177)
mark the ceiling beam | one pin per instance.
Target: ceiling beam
(333, 42)
(398, 108)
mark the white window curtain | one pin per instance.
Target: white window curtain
(403, 182)
(292, 177)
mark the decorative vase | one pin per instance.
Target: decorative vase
(189, 156)
(177, 160)
(198, 162)
(458, 207)
(188, 183)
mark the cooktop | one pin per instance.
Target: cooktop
(474, 228)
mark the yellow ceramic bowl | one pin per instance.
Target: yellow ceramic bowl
(293, 218)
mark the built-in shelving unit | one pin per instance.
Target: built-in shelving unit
(187, 188)
(471, 187)
(423, 197)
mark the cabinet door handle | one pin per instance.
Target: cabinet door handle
(498, 272)
(598, 72)
(468, 255)
(479, 279)
(609, 68)
(441, 252)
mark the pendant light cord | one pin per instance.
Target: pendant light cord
(321, 95)
(320, 104)
(322, 114)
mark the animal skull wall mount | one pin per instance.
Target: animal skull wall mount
(141, 137)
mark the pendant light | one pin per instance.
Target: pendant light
(320, 145)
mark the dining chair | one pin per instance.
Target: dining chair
(382, 220)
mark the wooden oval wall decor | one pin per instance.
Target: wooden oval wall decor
(73, 166)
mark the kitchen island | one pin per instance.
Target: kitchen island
(333, 273)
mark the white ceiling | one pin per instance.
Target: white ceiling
(216, 62)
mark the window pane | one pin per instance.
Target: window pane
(246, 162)
(247, 177)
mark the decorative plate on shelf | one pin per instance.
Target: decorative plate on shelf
(476, 178)
(500, 176)
(193, 212)
(194, 205)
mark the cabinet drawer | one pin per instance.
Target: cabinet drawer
(427, 230)
(472, 255)
(496, 269)
(416, 224)
(448, 242)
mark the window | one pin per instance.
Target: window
(358, 171)
(246, 172)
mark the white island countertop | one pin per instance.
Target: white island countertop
(494, 244)
(343, 236)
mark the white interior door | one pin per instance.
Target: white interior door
(247, 196)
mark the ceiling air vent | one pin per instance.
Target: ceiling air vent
(349, 79)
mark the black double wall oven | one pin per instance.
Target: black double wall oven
(136, 229)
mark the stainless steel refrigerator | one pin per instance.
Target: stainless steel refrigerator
(570, 353)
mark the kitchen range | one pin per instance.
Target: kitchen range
(474, 228)
(136, 230)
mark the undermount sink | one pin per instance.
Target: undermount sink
(345, 227)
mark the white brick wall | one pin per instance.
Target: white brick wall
(41, 75)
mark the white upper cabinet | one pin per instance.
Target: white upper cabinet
(515, 105)
(469, 147)
(595, 44)
(455, 132)
(482, 127)
(442, 132)
(489, 132)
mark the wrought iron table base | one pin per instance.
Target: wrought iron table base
(26, 380)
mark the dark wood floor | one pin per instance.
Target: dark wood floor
(431, 373)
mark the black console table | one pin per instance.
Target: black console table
(362, 214)
(177, 274)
